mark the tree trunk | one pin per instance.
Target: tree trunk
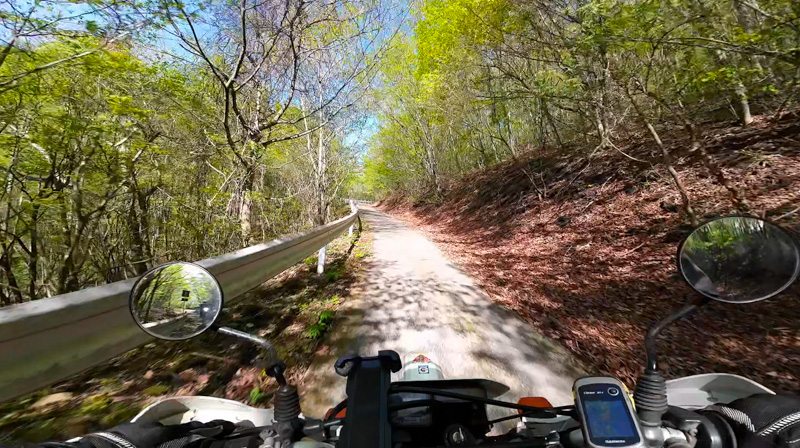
(68, 275)
(65, 269)
(319, 163)
(685, 201)
(741, 92)
(246, 207)
(745, 20)
(5, 264)
(33, 261)
(322, 207)
(137, 242)
(4, 299)
(144, 224)
(602, 130)
(433, 170)
(737, 197)
(552, 123)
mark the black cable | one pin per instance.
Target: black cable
(569, 411)
(507, 417)
(566, 410)
(334, 422)
(412, 404)
(544, 412)
(246, 432)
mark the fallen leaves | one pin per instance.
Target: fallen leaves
(595, 278)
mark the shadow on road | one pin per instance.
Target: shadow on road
(414, 301)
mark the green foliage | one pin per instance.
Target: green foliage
(334, 272)
(256, 396)
(118, 163)
(325, 316)
(119, 413)
(316, 330)
(155, 391)
(96, 404)
(476, 83)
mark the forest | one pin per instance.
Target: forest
(136, 133)
(491, 80)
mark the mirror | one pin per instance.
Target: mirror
(739, 259)
(176, 301)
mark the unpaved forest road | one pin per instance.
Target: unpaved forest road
(415, 301)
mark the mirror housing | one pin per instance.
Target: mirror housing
(176, 301)
(735, 259)
(739, 259)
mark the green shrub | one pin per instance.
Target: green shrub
(154, 391)
(256, 396)
(325, 317)
(95, 404)
(323, 322)
(332, 275)
(315, 331)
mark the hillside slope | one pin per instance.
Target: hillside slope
(585, 252)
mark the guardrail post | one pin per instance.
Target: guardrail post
(353, 209)
(321, 260)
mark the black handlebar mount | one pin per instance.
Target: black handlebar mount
(650, 394)
(366, 423)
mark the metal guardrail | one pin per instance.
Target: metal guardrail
(48, 340)
(359, 201)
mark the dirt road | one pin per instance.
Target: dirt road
(415, 301)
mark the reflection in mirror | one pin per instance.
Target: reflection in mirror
(739, 259)
(176, 301)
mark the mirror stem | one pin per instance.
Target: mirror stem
(273, 354)
(652, 334)
(650, 394)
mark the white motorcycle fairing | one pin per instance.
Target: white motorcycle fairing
(699, 391)
(176, 410)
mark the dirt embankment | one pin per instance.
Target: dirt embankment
(585, 249)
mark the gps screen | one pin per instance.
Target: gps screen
(608, 419)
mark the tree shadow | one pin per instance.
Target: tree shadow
(429, 306)
(592, 262)
(599, 302)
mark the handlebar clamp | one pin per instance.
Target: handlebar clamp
(388, 358)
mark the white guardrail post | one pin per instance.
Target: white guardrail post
(321, 260)
(353, 209)
(48, 340)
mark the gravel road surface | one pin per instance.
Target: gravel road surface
(414, 301)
